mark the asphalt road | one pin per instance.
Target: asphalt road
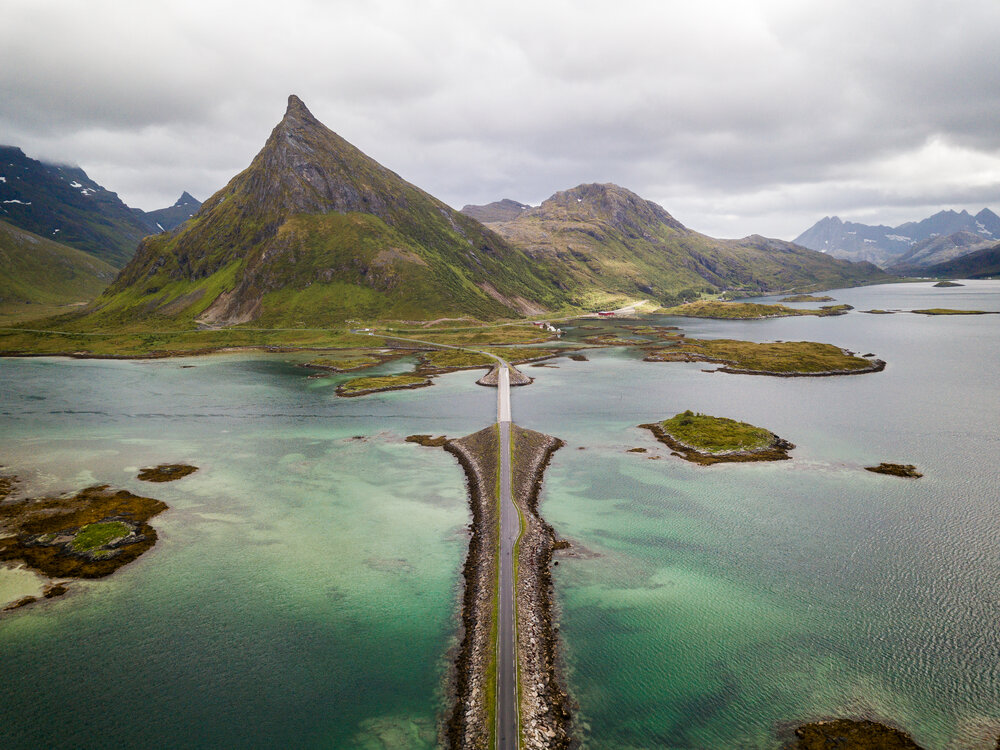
(508, 720)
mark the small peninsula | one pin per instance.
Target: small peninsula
(806, 298)
(746, 310)
(780, 359)
(707, 440)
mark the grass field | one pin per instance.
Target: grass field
(716, 434)
(781, 357)
(747, 310)
(363, 385)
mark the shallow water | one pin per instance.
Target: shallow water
(304, 589)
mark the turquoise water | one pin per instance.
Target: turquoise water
(304, 590)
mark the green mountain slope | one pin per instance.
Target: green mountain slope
(64, 204)
(977, 265)
(605, 243)
(35, 270)
(314, 232)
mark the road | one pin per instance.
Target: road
(508, 721)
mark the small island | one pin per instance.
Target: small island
(806, 298)
(946, 284)
(896, 470)
(780, 359)
(747, 310)
(848, 734)
(90, 534)
(166, 472)
(707, 440)
(949, 311)
(376, 383)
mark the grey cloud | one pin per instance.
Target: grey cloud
(738, 116)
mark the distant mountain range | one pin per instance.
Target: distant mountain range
(908, 247)
(606, 242)
(165, 219)
(975, 265)
(63, 204)
(314, 232)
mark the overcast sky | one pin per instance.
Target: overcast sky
(738, 116)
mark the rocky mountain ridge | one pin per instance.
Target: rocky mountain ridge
(886, 246)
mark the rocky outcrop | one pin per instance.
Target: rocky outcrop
(493, 376)
(467, 724)
(546, 718)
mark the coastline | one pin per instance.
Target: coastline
(776, 451)
(467, 723)
(546, 707)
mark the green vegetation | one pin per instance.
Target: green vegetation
(67, 536)
(358, 243)
(475, 336)
(346, 360)
(806, 298)
(372, 384)
(96, 535)
(453, 359)
(38, 273)
(782, 358)
(72, 337)
(716, 434)
(947, 311)
(609, 247)
(747, 310)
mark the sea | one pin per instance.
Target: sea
(305, 587)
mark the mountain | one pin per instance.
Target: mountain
(603, 242)
(165, 219)
(64, 204)
(938, 249)
(976, 265)
(502, 210)
(36, 270)
(885, 246)
(314, 231)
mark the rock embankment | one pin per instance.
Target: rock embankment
(467, 725)
(545, 706)
(493, 376)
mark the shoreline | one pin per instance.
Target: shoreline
(545, 705)
(728, 366)
(776, 451)
(466, 723)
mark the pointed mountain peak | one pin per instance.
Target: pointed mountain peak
(187, 199)
(298, 111)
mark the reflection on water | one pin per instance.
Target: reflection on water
(304, 589)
